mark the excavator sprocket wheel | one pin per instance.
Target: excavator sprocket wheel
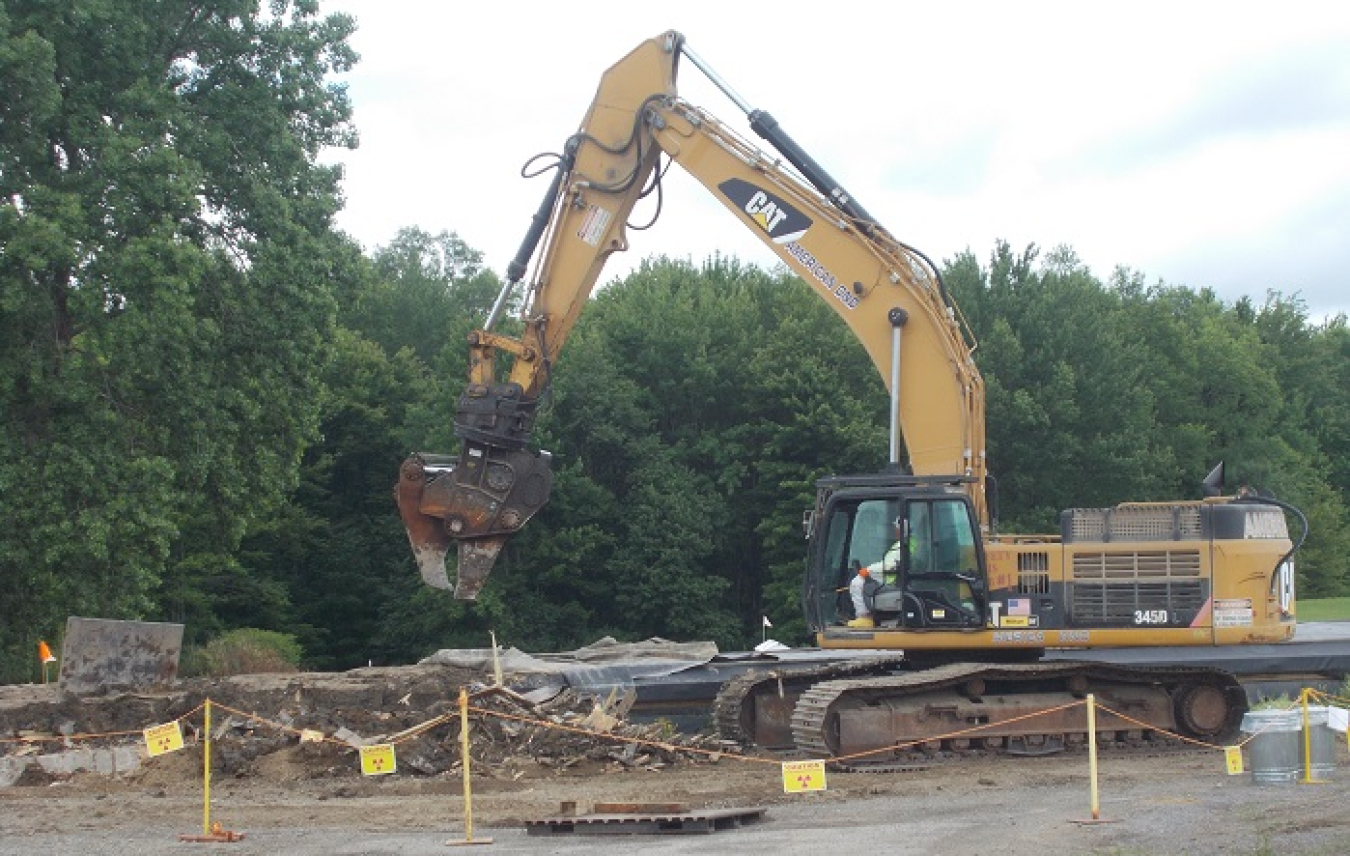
(1203, 709)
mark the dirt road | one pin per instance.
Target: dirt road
(310, 799)
(1151, 804)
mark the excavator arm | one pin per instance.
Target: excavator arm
(889, 294)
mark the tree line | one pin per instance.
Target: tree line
(206, 389)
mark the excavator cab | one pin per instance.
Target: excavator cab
(919, 538)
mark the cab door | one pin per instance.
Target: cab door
(944, 576)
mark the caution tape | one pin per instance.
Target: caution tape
(619, 738)
(384, 762)
(87, 736)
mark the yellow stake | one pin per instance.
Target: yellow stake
(1307, 740)
(1092, 750)
(464, 750)
(468, 786)
(206, 765)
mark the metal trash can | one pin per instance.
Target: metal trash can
(1276, 749)
(1321, 744)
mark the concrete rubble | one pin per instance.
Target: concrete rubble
(533, 724)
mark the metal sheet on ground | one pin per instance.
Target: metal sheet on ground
(701, 821)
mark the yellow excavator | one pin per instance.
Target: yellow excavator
(903, 560)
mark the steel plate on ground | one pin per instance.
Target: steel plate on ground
(656, 823)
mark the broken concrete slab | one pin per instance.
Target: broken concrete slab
(99, 654)
(108, 761)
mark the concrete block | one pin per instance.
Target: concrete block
(103, 762)
(98, 655)
(126, 759)
(11, 768)
(67, 763)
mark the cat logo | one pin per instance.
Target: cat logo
(779, 220)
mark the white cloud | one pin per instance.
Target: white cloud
(1201, 143)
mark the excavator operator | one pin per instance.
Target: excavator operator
(887, 570)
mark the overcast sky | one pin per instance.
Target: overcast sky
(1202, 144)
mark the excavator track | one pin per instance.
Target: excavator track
(1019, 708)
(755, 709)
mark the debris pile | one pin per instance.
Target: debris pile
(258, 722)
(571, 728)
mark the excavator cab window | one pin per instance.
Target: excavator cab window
(856, 534)
(941, 538)
(943, 581)
(923, 556)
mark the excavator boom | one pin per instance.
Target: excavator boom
(889, 294)
(1216, 572)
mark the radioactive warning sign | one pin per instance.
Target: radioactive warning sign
(377, 760)
(801, 776)
(1232, 755)
(164, 738)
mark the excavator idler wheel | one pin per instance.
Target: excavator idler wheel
(973, 689)
(1203, 710)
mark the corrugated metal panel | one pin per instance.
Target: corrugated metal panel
(1135, 523)
(1109, 588)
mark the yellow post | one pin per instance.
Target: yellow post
(1092, 751)
(206, 765)
(464, 753)
(1307, 738)
(464, 762)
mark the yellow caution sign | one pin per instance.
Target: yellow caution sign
(160, 739)
(378, 760)
(799, 776)
(1233, 756)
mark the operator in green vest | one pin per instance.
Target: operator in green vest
(886, 571)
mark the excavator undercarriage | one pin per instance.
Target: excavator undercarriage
(880, 711)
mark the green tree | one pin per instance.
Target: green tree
(1066, 390)
(1100, 393)
(692, 411)
(168, 283)
(338, 549)
(429, 291)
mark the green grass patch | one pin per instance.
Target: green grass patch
(1324, 609)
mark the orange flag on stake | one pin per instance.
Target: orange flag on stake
(45, 653)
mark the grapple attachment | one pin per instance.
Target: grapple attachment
(478, 499)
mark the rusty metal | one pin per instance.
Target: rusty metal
(1202, 708)
(771, 714)
(430, 543)
(476, 500)
(698, 821)
(476, 559)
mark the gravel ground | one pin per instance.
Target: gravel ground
(1148, 804)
